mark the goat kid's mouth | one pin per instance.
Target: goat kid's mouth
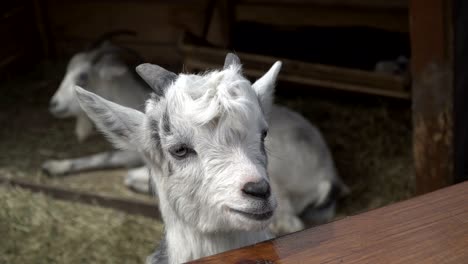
(259, 216)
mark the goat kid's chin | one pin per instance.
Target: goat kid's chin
(257, 216)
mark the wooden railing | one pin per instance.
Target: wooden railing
(432, 228)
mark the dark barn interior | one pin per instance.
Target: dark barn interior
(352, 68)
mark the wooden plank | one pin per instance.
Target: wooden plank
(330, 16)
(432, 72)
(126, 205)
(201, 58)
(191, 64)
(432, 228)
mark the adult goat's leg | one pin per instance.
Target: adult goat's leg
(285, 220)
(100, 161)
(139, 180)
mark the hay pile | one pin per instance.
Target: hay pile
(37, 229)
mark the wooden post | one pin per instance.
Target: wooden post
(432, 93)
(461, 89)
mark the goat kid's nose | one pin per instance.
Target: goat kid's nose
(259, 189)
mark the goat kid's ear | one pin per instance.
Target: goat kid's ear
(265, 86)
(122, 125)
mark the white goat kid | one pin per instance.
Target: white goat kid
(203, 138)
(105, 69)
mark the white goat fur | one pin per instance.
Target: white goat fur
(218, 115)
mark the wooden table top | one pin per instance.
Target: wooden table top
(431, 228)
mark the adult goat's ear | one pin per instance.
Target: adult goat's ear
(122, 125)
(265, 86)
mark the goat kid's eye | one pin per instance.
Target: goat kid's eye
(181, 152)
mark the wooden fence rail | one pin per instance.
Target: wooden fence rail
(127, 205)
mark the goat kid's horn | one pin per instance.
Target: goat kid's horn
(231, 59)
(156, 77)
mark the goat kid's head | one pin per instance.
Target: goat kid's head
(204, 137)
(90, 69)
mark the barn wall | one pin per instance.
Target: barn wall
(159, 24)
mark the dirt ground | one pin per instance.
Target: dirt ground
(370, 142)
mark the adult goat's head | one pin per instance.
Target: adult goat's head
(101, 61)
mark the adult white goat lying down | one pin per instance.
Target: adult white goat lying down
(107, 70)
(302, 172)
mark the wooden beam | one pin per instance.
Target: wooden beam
(198, 57)
(129, 206)
(191, 64)
(432, 93)
(391, 19)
